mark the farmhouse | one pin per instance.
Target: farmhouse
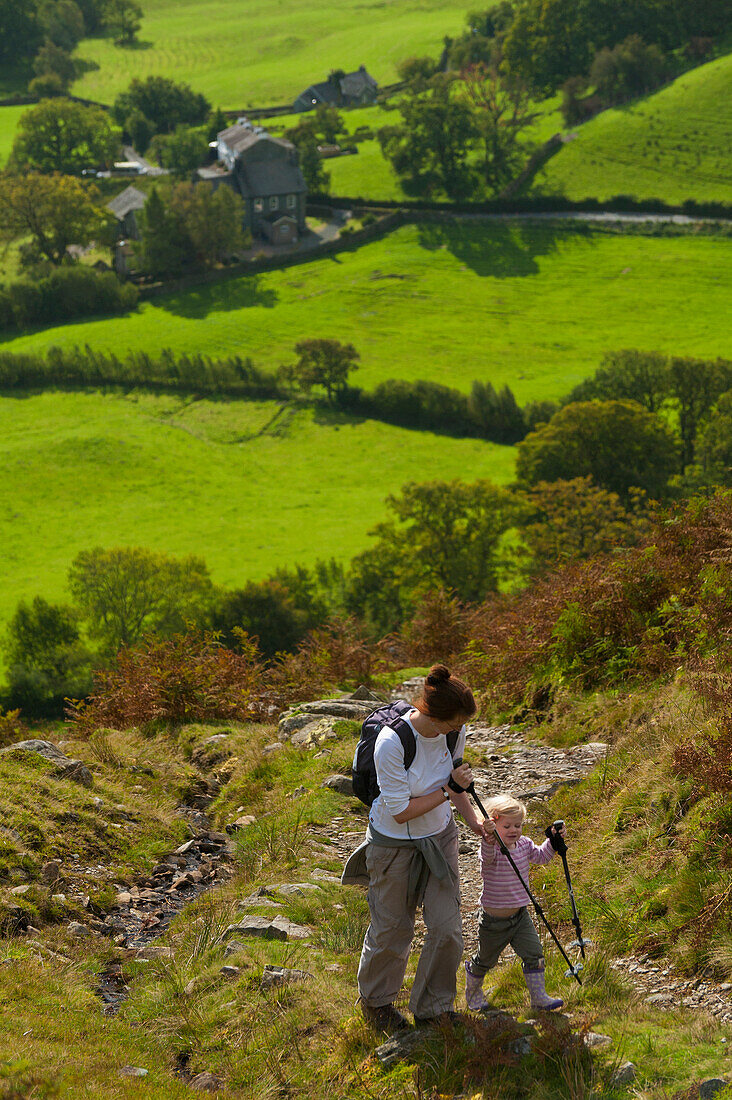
(339, 90)
(265, 171)
(124, 207)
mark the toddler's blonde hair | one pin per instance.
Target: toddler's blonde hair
(503, 804)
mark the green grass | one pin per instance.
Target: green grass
(674, 145)
(532, 306)
(8, 124)
(201, 477)
(241, 53)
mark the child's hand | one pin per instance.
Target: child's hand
(489, 830)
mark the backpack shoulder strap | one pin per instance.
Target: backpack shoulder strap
(394, 718)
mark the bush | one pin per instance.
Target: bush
(68, 292)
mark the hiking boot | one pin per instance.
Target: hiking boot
(385, 1018)
(540, 999)
(474, 997)
(434, 1021)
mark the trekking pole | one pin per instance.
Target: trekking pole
(573, 970)
(559, 845)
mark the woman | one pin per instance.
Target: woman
(411, 858)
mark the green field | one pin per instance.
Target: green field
(234, 482)
(241, 53)
(534, 306)
(674, 145)
(8, 124)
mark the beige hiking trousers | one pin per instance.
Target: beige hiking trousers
(389, 935)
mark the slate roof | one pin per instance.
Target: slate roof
(129, 199)
(355, 84)
(239, 138)
(270, 177)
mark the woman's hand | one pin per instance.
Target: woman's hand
(462, 775)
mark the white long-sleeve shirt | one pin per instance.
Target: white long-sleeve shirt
(430, 769)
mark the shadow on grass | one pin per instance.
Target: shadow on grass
(499, 249)
(235, 293)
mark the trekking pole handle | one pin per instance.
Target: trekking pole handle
(553, 834)
(452, 784)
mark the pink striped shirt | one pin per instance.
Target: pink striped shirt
(501, 887)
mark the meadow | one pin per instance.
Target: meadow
(248, 486)
(532, 305)
(247, 54)
(674, 145)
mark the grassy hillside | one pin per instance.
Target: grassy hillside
(243, 54)
(237, 483)
(531, 306)
(182, 1015)
(674, 145)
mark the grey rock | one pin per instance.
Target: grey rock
(256, 926)
(75, 928)
(214, 750)
(658, 998)
(274, 746)
(624, 1074)
(313, 733)
(343, 784)
(281, 975)
(132, 1071)
(594, 1040)
(66, 768)
(20, 890)
(290, 723)
(50, 872)
(234, 947)
(400, 1046)
(293, 889)
(292, 931)
(338, 708)
(366, 695)
(206, 1082)
(155, 951)
(711, 1087)
(522, 1046)
(230, 971)
(324, 876)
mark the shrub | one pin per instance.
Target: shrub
(707, 758)
(67, 292)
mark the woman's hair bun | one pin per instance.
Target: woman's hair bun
(438, 674)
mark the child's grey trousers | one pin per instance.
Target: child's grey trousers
(389, 936)
(495, 933)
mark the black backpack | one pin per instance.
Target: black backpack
(365, 784)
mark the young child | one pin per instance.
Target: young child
(505, 918)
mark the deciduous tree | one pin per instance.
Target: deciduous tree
(54, 211)
(127, 591)
(47, 661)
(618, 444)
(431, 147)
(62, 136)
(574, 520)
(502, 110)
(326, 363)
(164, 102)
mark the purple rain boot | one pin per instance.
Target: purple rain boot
(540, 999)
(474, 996)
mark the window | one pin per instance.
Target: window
(259, 205)
(274, 202)
(291, 202)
